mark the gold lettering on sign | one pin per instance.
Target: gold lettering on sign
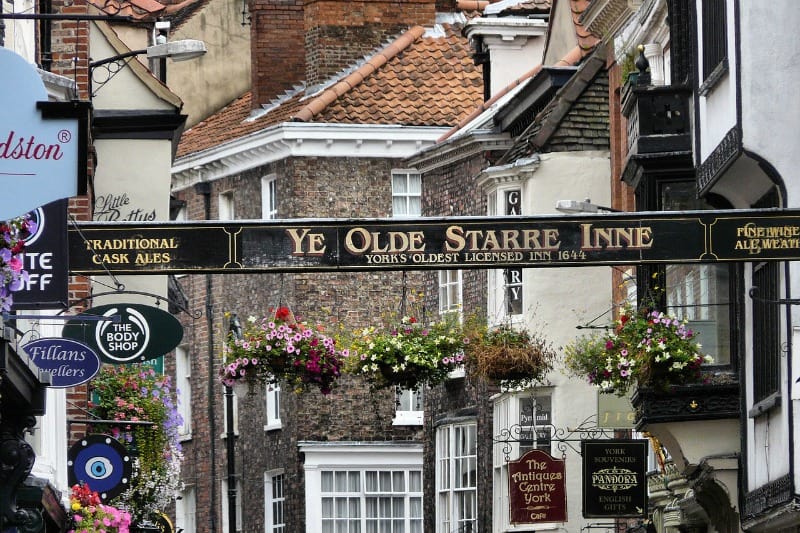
(754, 239)
(306, 243)
(616, 238)
(138, 251)
(458, 239)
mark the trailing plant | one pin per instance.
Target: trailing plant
(408, 354)
(649, 348)
(512, 355)
(136, 393)
(278, 348)
(90, 515)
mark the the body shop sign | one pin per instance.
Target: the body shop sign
(614, 478)
(40, 141)
(537, 489)
(126, 333)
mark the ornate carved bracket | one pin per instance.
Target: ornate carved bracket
(16, 462)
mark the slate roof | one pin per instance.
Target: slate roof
(423, 78)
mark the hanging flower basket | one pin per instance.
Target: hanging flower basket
(12, 244)
(514, 356)
(409, 355)
(647, 348)
(277, 348)
(137, 393)
(88, 514)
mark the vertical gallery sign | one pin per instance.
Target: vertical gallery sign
(46, 260)
(537, 489)
(614, 478)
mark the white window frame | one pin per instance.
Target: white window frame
(271, 522)
(224, 500)
(186, 510)
(273, 407)
(448, 457)
(413, 398)
(507, 410)
(225, 414)
(407, 195)
(355, 456)
(226, 207)
(497, 280)
(183, 379)
(449, 279)
(269, 197)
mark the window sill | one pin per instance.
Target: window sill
(184, 437)
(458, 373)
(765, 406)
(408, 418)
(274, 426)
(714, 78)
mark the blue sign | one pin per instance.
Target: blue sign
(46, 261)
(69, 362)
(38, 157)
(103, 463)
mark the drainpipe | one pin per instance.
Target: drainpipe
(204, 188)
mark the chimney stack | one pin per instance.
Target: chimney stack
(295, 41)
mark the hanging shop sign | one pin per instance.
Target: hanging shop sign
(614, 478)
(102, 462)
(43, 145)
(45, 259)
(137, 332)
(69, 362)
(537, 489)
(483, 242)
(615, 412)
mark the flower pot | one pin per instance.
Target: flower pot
(243, 387)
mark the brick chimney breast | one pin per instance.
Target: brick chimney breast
(340, 33)
(276, 48)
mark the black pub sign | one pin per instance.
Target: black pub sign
(614, 478)
(510, 242)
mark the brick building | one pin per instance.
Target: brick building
(322, 134)
(541, 139)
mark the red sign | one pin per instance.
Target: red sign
(537, 489)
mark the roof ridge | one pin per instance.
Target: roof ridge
(330, 95)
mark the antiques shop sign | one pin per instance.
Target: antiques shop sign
(435, 243)
(614, 478)
(537, 489)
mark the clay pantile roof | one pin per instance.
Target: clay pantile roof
(420, 79)
(135, 9)
(431, 82)
(586, 40)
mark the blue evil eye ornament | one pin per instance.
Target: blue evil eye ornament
(101, 462)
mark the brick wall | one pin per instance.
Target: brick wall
(341, 32)
(450, 191)
(276, 47)
(294, 41)
(70, 44)
(307, 187)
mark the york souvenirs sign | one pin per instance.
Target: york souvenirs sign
(614, 478)
(43, 144)
(460, 242)
(126, 333)
(537, 489)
